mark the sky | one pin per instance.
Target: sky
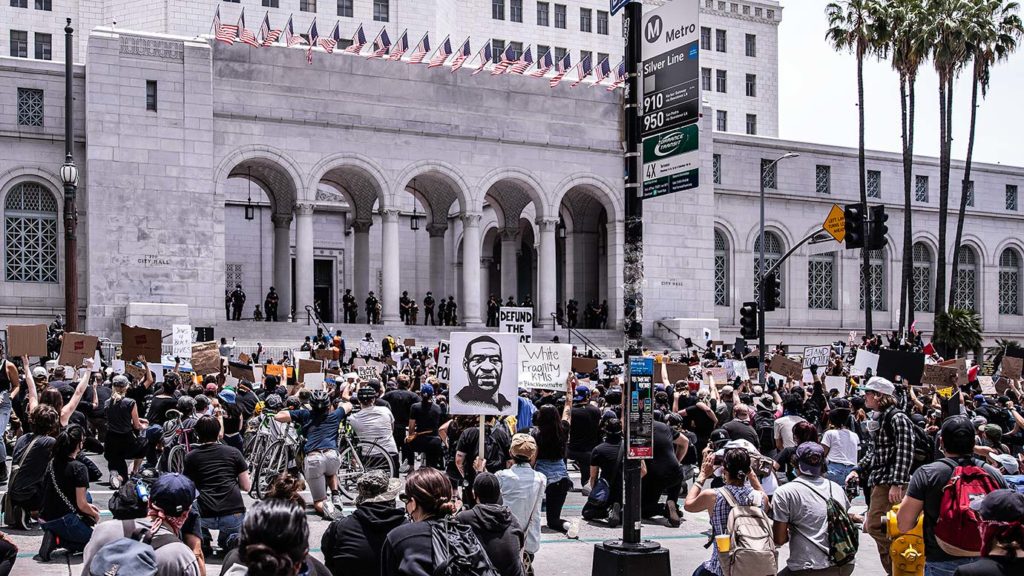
(818, 97)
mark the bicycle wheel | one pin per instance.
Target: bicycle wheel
(360, 459)
(273, 462)
(257, 447)
(176, 459)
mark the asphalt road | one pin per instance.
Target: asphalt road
(558, 555)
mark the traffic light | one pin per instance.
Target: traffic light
(877, 229)
(772, 292)
(748, 321)
(854, 226)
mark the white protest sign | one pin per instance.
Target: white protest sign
(544, 366)
(314, 381)
(808, 378)
(816, 355)
(367, 348)
(516, 321)
(181, 340)
(368, 372)
(739, 367)
(117, 366)
(836, 383)
(301, 355)
(864, 361)
(484, 371)
(444, 357)
(257, 374)
(158, 371)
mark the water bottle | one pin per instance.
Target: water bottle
(142, 490)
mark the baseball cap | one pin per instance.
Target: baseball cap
(979, 421)
(1000, 506)
(227, 395)
(211, 387)
(727, 390)
(957, 427)
(810, 458)
(376, 486)
(124, 557)
(39, 372)
(1008, 462)
(173, 493)
(523, 445)
(582, 393)
(757, 390)
(719, 438)
(880, 385)
(427, 390)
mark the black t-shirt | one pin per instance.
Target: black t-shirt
(158, 407)
(698, 420)
(33, 464)
(215, 468)
(103, 392)
(551, 448)
(585, 432)
(992, 566)
(119, 416)
(605, 456)
(232, 418)
(665, 464)
(246, 401)
(741, 431)
(427, 417)
(401, 402)
(70, 475)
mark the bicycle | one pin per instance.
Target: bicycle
(275, 458)
(261, 431)
(175, 459)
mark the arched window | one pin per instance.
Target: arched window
(772, 253)
(30, 234)
(721, 270)
(821, 281)
(876, 260)
(1009, 282)
(922, 277)
(966, 280)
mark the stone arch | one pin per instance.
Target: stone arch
(270, 168)
(358, 178)
(976, 243)
(1012, 243)
(526, 182)
(775, 227)
(598, 187)
(445, 175)
(48, 181)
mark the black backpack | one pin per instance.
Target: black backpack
(457, 551)
(764, 424)
(496, 447)
(924, 445)
(126, 504)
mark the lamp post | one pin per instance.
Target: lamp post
(760, 272)
(69, 177)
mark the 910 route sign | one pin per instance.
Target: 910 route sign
(671, 67)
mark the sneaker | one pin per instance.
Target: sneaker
(336, 500)
(585, 491)
(115, 480)
(573, 532)
(404, 468)
(327, 510)
(615, 516)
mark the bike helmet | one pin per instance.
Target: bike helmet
(273, 403)
(292, 403)
(319, 401)
(186, 405)
(366, 394)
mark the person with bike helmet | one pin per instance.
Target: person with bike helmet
(320, 428)
(374, 423)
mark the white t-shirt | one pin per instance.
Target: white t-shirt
(842, 446)
(375, 424)
(784, 429)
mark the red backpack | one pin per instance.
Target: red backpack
(957, 530)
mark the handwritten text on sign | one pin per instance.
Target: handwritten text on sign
(544, 366)
(516, 321)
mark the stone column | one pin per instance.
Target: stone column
(485, 284)
(569, 282)
(547, 269)
(509, 263)
(390, 268)
(283, 264)
(615, 256)
(303, 260)
(471, 270)
(361, 262)
(437, 260)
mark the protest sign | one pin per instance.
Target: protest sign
(582, 365)
(816, 356)
(145, 342)
(257, 374)
(137, 373)
(907, 365)
(313, 381)
(309, 367)
(544, 366)
(28, 340)
(409, 342)
(836, 383)
(444, 358)
(939, 376)
(961, 368)
(1011, 367)
(245, 358)
(369, 348)
(368, 372)
(864, 361)
(718, 375)
(739, 368)
(205, 358)
(75, 348)
(181, 340)
(325, 355)
(301, 355)
(484, 373)
(516, 320)
(783, 366)
(242, 371)
(808, 378)
(675, 372)
(158, 371)
(117, 366)
(274, 370)
(988, 388)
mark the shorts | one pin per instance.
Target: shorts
(317, 466)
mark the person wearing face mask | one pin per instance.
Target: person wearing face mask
(408, 549)
(1002, 535)
(352, 545)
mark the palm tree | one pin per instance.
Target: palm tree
(852, 28)
(956, 330)
(992, 28)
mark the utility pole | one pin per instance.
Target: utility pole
(69, 177)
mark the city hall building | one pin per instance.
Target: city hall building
(206, 165)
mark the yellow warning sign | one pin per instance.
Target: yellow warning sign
(835, 223)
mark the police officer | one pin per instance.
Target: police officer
(453, 316)
(270, 305)
(372, 310)
(428, 309)
(237, 301)
(403, 307)
(349, 306)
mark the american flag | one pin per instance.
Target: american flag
(508, 57)
(620, 76)
(563, 66)
(290, 37)
(314, 36)
(381, 44)
(524, 62)
(603, 70)
(546, 62)
(244, 33)
(485, 56)
(400, 47)
(461, 56)
(441, 54)
(225, 33)
(584, 68)
(331, 42)
(421, 50)
(358, 41)
(269, 36)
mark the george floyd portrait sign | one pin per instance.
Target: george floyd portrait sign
(483, 373)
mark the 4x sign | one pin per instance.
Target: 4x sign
(835, 223)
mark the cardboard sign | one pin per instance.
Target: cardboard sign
(516, 320)
(309, 367)
(75, 348)
(718, 375)
(676, 372)
(205, 358)
(245, 358)
(26, 340)
(581, 365)
(409, 342)
(808, 378)
(908, 365)
(544, 366)
(137, 373)
(939, 376)
(836, 383)
(313, 381)
(484, 373)
(117, 366)
(368, 373)
(136, 341)
(181, 341)
(1011, 367)
(444, 358)
(242, 371)
(791, 369)
(988, 388)
(158, 372)
(864, 361)
(816, 356)
(323, 355)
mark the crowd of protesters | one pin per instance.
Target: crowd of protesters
(789, 457)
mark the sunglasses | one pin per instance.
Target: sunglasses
(405, 498)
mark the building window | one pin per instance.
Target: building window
(232, 276)
(44, 5)
(823, 179)
(752, 124)
(876, 261)
(720, 40)
(19, 44)
(705, 37)
(44, 46)
(584, 54)
(1009, 282)
(585, 19)
(772, 253)
(921, 188)
(709, 4)
(497, 48)
(515, 10)
(560, 16)
(542, 14)
(770, 14)
(966, 280)
(970, 192)
(307, 5)
(151, 95)
(716, 168)
(30, 107)
(751, 45)
(758, 12)
(734, 8)
(720, 81)
(381, 10)
(922, 277)
(1011, 197)
(752, 85)
(517, 49)
(722, 120)
(721, 269)
(769, 174)
(274, 4)
(542, 50)
(560, 54)
(721, 5)
(345, 8)
(30, 234)
(874, 184)
(601, 57)
(705, 79)
(498, 9)
(602, 22)
(821, 281)
(19, 3)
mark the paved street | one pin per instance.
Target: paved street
(558, 555)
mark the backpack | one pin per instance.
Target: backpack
(1015, 483)
(457, 551)
(496, 447)
(129, 502)
(751, 543)
(924, 445)
(843, 536)
(764, 424)
(958, 529)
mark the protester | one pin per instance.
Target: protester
(352, 545)
(32, 456)
(1002, 534)
(274, 541)
(522, 490)
(67, 513)
(841, 445)
(740, 427)
(495, 525)
(123, 426)
(221, 475)
(422, 433)
(408, 549)
(374, 423)
(552, 438)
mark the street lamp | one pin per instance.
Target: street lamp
(69, 178)
(250, 210)
(760, 271)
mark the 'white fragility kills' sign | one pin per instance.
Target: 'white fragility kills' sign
(544, 366)
(516, 321)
